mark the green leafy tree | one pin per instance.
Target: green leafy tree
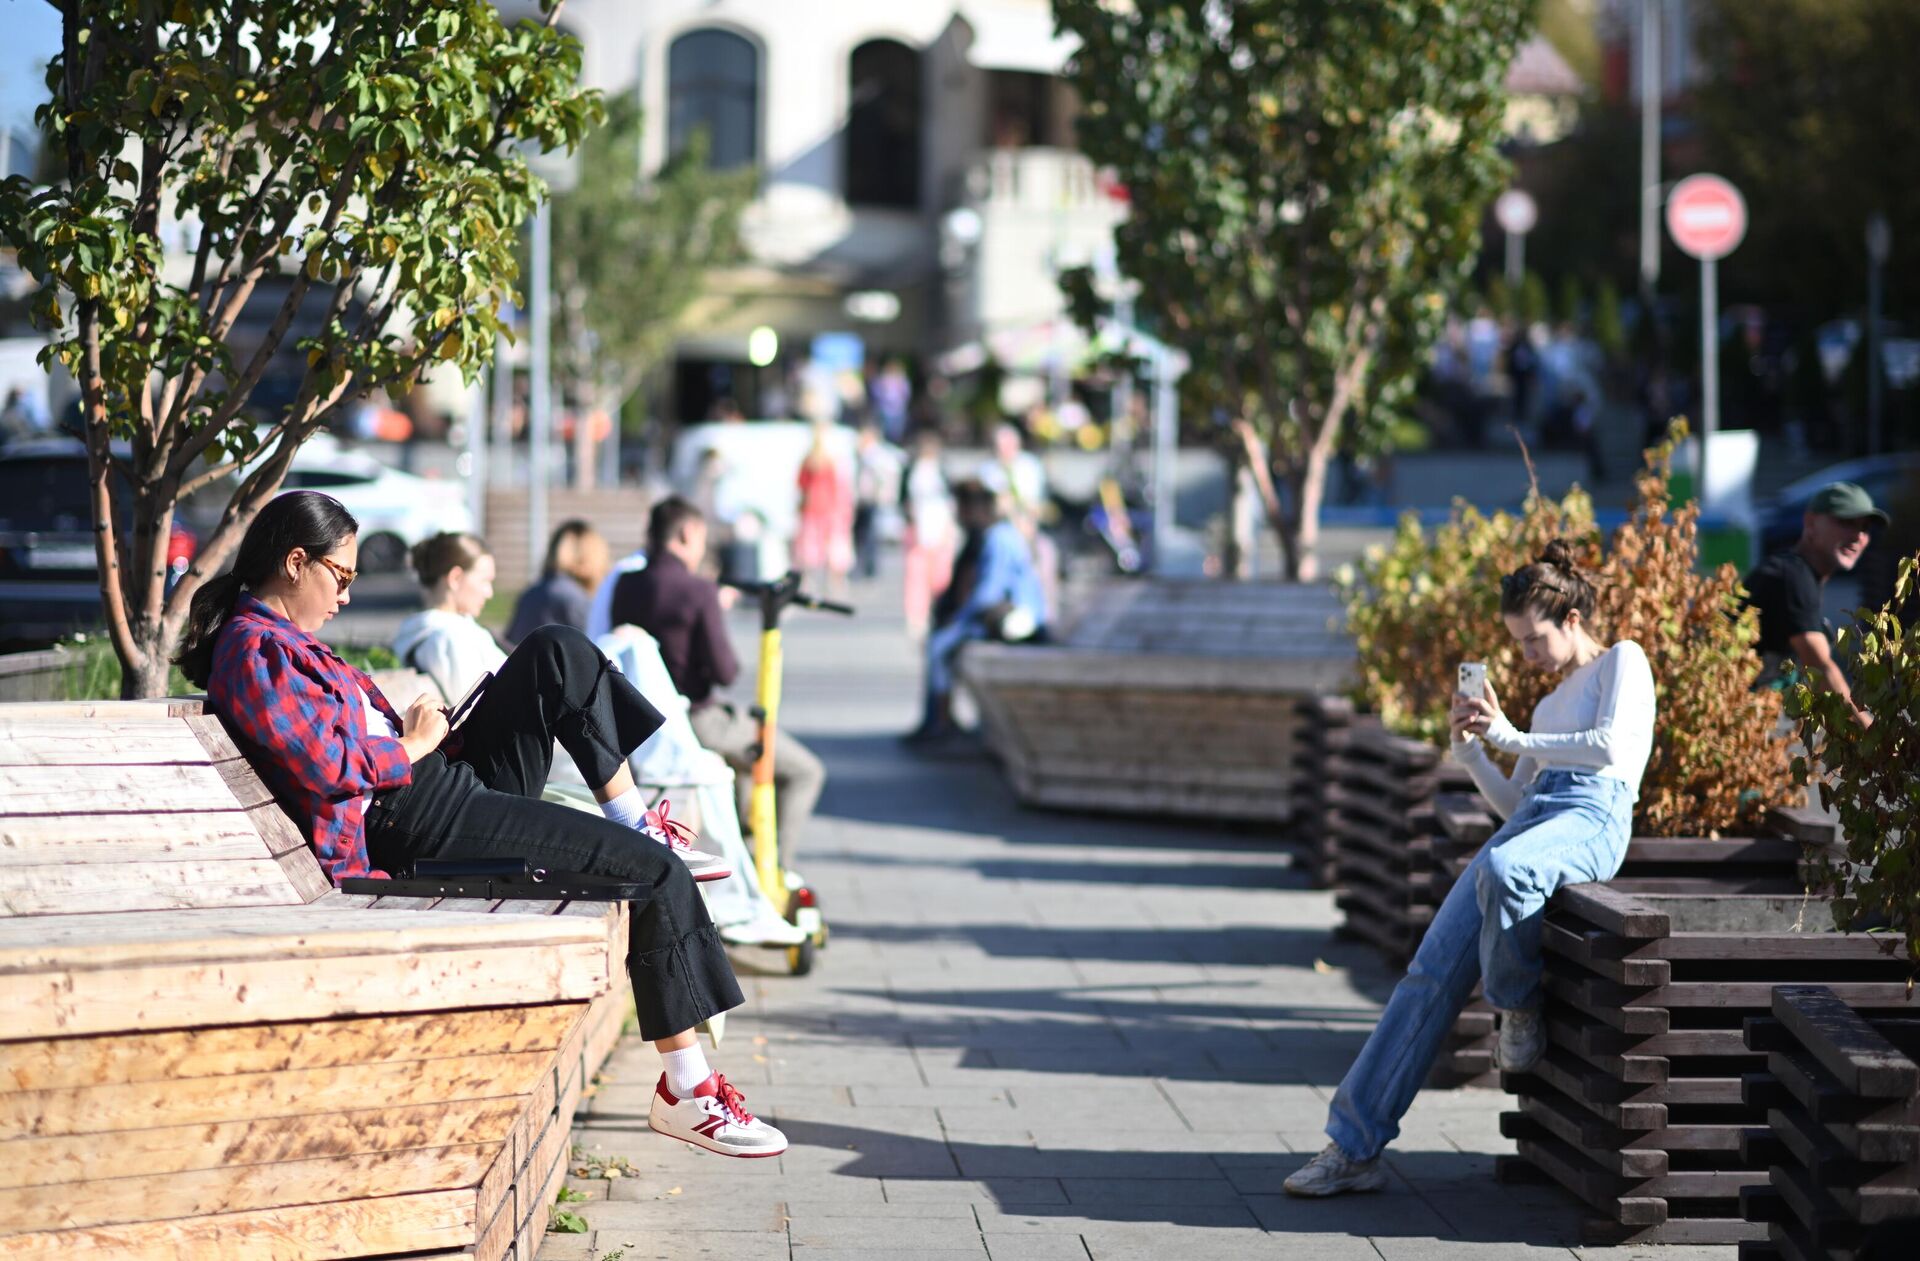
(1866, 775)
(1803, 95)
(1532, 305)
(633, 254)
(1306, 181)
(1572, 303)
(230, 167)
(1608, 331)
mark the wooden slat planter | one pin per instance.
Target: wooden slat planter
(1637, 1107)
(210, 1053)
(1842, 1138)
(1382, 795)
(1768, 863)
(1166, 697)
(1326, 726)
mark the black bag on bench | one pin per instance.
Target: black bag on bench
(510, 879)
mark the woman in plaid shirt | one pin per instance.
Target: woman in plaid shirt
(372, 788)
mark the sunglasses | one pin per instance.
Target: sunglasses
(341, 574)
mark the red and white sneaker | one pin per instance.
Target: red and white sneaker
(715, 1117)
(658, 824)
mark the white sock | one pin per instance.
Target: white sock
(685, 1070)
(626, 809)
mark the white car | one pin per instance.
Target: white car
(395, 509)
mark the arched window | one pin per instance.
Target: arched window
(713, 85)
(883, 126)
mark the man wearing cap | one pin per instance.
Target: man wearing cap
(1786, 587)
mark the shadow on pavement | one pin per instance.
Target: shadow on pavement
(1443, 1194)
(1277, 947)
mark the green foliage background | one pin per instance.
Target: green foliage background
(1867, 776)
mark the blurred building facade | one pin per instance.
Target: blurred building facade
(919, 185)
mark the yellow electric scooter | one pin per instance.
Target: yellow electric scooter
(794, 900)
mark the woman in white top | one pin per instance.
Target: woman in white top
(1569, 811)
(443, 641)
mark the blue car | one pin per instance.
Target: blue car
(1888, 478)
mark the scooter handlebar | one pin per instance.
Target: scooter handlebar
(786, 591)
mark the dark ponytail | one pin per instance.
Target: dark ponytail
(1553, 586)
(305, 519)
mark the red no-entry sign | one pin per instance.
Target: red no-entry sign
(1707, 216)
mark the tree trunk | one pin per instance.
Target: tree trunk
(1309, 492)
(147, 678)
(587, 409)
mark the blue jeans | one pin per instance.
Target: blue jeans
(1572, 827)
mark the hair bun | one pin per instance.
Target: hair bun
(1559, 554)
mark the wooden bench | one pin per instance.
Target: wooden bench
(1166, 697)
(1637, 1106)
(210, 1053)
(1842, 1137)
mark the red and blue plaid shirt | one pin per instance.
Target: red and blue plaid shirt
(295, 710)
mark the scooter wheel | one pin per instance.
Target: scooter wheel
(800, 958)
(820, 937)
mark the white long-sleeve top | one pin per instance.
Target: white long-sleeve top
(1599, 719)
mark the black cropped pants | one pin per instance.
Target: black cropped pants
(478, 797)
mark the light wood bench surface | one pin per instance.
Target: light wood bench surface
(208, 1052)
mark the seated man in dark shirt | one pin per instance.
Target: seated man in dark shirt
(1786, 587)
(672, 602)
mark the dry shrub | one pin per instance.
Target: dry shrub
(1423, 604)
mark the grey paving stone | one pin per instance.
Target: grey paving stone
(1037, 1247)
(905, 1234)
(677, 1245)
(1397, 1249)
(1389, 1213)
(1210, 1246)
(1008, 1192)
(886, 1254)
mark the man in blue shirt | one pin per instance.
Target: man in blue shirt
(995, 594)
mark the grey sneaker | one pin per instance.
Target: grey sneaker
(1332, 1173)
(1523, 1040)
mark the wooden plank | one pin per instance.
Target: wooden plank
(484, 971)
(43, 1162)
(301, 870)
(292, 1092)
(111, 711)
(251, 933)
(99, 743)
(108, 789)
(183, 1054)
(1860, 1060)
(199, 1192)
(96, 888)
(1613, 911)
(35, 839)
(309, 1232)
(276, 829)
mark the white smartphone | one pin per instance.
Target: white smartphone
(1473, 679)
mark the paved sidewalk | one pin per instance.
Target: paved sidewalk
(1040, 1037)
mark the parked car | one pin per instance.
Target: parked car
(49, 575)
(1885, 477)
(395, 509)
